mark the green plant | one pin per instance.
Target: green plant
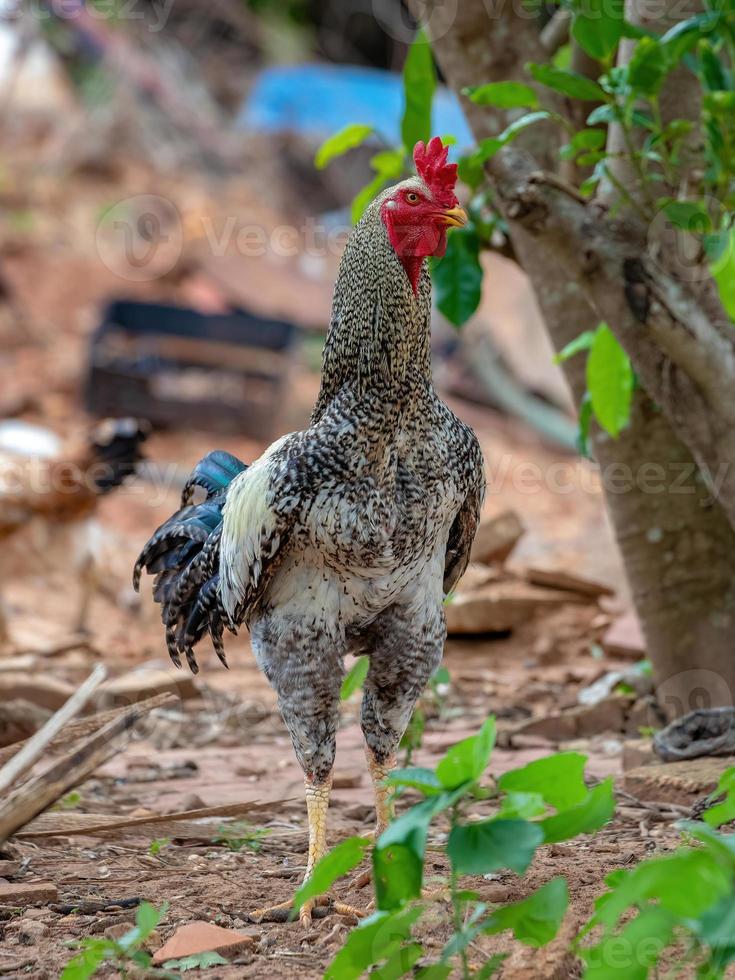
(239, 834)
(544, 802)
(156, 846)
(686, 897)
(198, 961)
(125, 954)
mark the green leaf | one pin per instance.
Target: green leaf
(504, 95)
(642, 940)
(584, 818)
(470, 171)
(346, 139)
(457, 276)
(486, 149)
(354, 678)
(373, 941)
(489, 845)
(467, 760)
(530, 119)
(419, 82)
(583, 342)
(712, 70)
(147, 918)
(583, 431)
(198, 961)
(723, 272)
(388, 165)
(568, 83)
(557, 778)
(597, 26)
(609, 381)
(603, 114)
(688, 215)
(648, 66)
(400, 963)
(534, 920)
(435, 971)
(707, 881)
(522, 806)
(723, 812)
(86, 963)
(335, 863)
(425, 780)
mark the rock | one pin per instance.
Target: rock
(30, 931)
(581, 721)
(32, 893)
(496, 538)
(625, 638)
(142, 684)
(475, 577)
(19, 719)
(202, 937)
(638, 752)
(501, 606)
(677, 782)
(118, 930)
(605, 716)
(41, 690)
(557, 578)
(192, 801)
(8, 869)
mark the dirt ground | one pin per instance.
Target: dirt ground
(228, 744)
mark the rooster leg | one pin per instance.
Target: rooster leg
(307, 678)
(405, 649)
(379, 772)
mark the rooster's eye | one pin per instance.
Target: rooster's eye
(412, 198)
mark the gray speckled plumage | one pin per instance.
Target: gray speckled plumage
(344, 537)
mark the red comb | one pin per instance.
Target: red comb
(438, 175)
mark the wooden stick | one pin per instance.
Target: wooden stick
(34, 747)
(37, 794)
(85, 726)
(69, 824)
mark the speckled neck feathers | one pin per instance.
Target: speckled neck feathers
(379, 333)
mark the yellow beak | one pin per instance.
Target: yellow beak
(454, 217)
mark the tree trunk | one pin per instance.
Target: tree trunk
(677, 545)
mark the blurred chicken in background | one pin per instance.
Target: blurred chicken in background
(60, 485)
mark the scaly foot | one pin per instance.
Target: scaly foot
(314, 908)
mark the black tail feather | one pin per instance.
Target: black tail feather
(183, 554)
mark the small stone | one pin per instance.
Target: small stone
(30, 931)
(497, 537)
(625, 638)
(202, 937)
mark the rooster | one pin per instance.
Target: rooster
(346, 537)
(61, 486)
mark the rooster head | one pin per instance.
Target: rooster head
(418, 211)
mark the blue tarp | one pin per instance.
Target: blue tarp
(316, 100)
